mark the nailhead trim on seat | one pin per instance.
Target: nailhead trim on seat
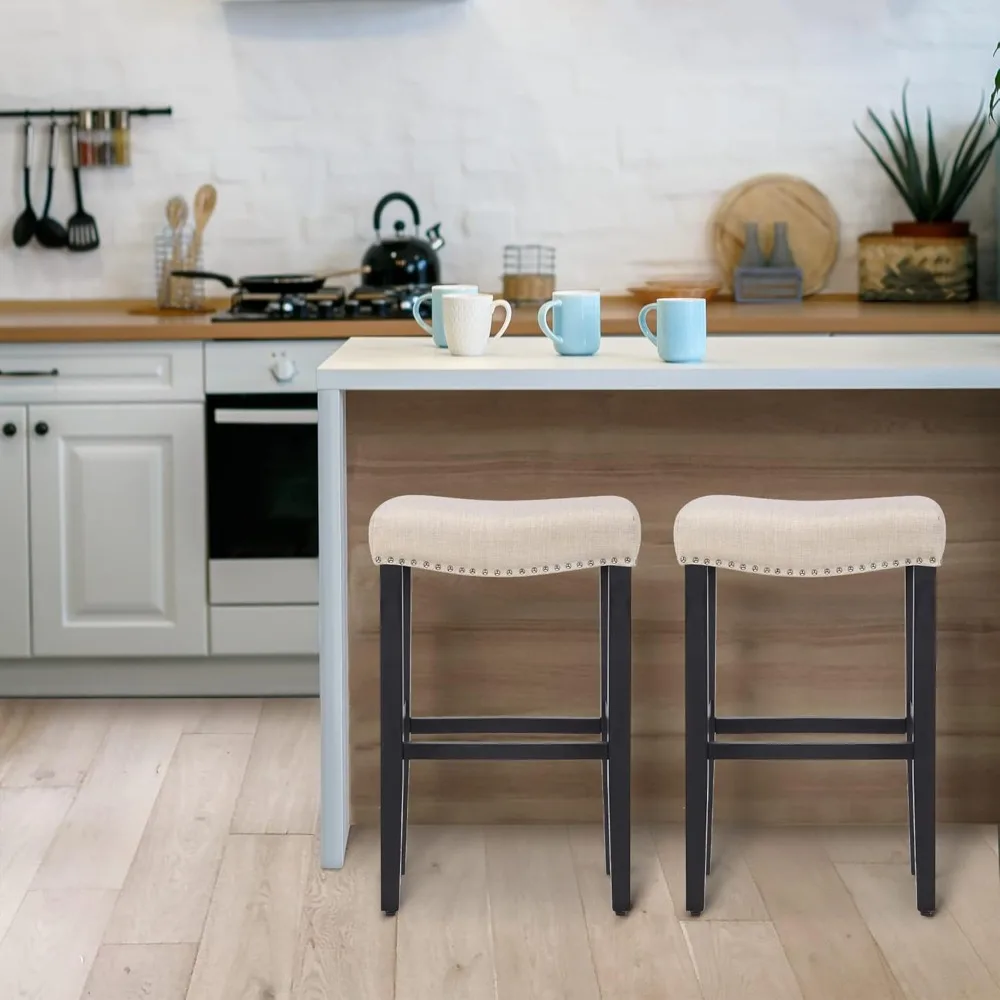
(522, 571)
(827, 570)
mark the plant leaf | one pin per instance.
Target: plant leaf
(901, 179)
(898, 184)
(911, 171)
(897, 159)
(933, 168)
(913, 158)
(967, 166)
(963, 145)
(951, 207)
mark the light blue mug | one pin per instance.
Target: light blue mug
(436, 326)
(681, 329)
(576, 322)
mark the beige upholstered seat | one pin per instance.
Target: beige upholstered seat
(809, 537)
(504, 537)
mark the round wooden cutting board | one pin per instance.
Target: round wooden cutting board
(813, 226)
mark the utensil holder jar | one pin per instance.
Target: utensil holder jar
(529, 273)
(172, 252)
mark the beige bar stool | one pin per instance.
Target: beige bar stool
(809, 540)
(506, 540)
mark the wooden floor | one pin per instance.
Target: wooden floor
(166, 850)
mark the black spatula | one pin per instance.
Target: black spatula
(81, 229)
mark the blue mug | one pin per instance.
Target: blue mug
(436, 326)
(681, 329)
(576, 322)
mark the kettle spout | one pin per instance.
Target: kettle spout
(434, 236)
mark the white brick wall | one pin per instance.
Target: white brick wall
(606, 127)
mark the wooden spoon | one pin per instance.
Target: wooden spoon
(205, 199)
(177, 213)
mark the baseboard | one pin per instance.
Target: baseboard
(203, 677)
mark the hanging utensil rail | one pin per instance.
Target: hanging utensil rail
(73, 112)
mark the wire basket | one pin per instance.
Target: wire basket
(172, 252)
(529, 273)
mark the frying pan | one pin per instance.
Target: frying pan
(270, 284)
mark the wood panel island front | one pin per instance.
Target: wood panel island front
(809, 417)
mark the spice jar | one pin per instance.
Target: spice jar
(85, 138)
(103, 149)
(121, 138)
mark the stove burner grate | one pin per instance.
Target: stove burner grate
(331, 303)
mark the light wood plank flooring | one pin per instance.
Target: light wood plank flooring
(167, 851)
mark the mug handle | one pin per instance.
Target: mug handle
(543, 322)
(643, 313)
(505, 305)
(417, 303)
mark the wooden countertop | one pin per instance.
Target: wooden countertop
(70, 322)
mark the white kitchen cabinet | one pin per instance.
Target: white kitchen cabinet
(15, 610)
(118, 541)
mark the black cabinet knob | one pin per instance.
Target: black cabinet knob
(41, 428)
(9, 430)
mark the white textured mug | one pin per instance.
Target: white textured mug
(468, 319)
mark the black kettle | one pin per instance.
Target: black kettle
(402, 260)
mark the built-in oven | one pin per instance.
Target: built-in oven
(261, 427)
(263, 516)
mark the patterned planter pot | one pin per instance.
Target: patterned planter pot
(894, 268)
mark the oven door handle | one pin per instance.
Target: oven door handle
(266, 416)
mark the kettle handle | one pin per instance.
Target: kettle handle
(395, 196)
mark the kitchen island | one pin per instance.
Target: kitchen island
(797, 416)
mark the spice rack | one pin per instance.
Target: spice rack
(104, 135)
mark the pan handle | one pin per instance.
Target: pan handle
(344, 274)
(208, 276)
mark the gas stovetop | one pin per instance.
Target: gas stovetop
(331, 303)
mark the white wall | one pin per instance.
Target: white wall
(606, 127)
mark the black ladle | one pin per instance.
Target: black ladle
(24, 227)
(49, 232)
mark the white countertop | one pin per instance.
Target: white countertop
(816, 361)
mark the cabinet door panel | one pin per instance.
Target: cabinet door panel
(118, 530)
(15, 587)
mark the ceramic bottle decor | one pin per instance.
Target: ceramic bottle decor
(774, 277)
(752, 255)
(781, 252)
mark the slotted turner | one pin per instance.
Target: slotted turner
(81, 229)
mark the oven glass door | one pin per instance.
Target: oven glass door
(263, 487)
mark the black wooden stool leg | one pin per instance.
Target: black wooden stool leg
(909, 710)
(407, 695)
(604, 713)
(924, 721)
(619, 736)
(391, 579)
(711, 715)
(696, 659)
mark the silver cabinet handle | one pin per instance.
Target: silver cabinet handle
(265, 416)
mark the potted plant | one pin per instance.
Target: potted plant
(933, 257)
